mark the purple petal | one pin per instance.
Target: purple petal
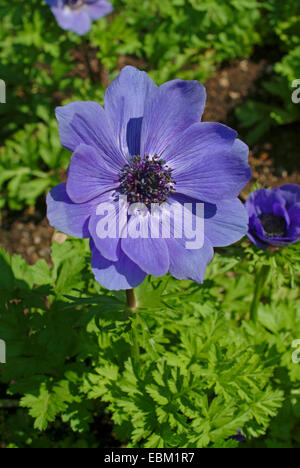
(88, 175)
(77, 21)
(280, 210)
(86, 122)
(170, 110)
(241, 150)
(262, 201)
(206, 171)
(123, 274)
(226, 222)
(124, 103)
(256, 226)
(114, 218)
(262, 245)
(189, 264)
(186, 220)
(99, 9)
(150, 254)
(199, 141)
(290, 192)
(69, 217)
(294, 215)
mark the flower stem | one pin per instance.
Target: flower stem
(135, 347)
(131, 301)
(260, 280)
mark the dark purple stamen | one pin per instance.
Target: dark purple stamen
(273, 225)
(75, 4)
(146, 180)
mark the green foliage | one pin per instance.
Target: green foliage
(34, 62)
(31, 163)
(282, 33)
(203, 371)
(178, 39)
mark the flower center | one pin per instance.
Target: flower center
(146, 180)
(75, 4)
(273, 225)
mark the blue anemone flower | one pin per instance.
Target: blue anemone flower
(148, 147)
(274, 216)
(77, 15)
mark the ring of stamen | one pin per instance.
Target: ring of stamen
(75, 4)
(146, 180)
(273, 225)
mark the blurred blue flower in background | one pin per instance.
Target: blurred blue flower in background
(274, 216)
(239, 437)
(77, 15)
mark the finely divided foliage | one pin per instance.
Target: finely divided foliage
(72, 350)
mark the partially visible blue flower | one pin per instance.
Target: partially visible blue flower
(239, 437)
(148, 144)
(77, 15)
(274, 216)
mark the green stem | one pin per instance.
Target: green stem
(135, 347)
(148, 340)
(131, 301)
(260, 280)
